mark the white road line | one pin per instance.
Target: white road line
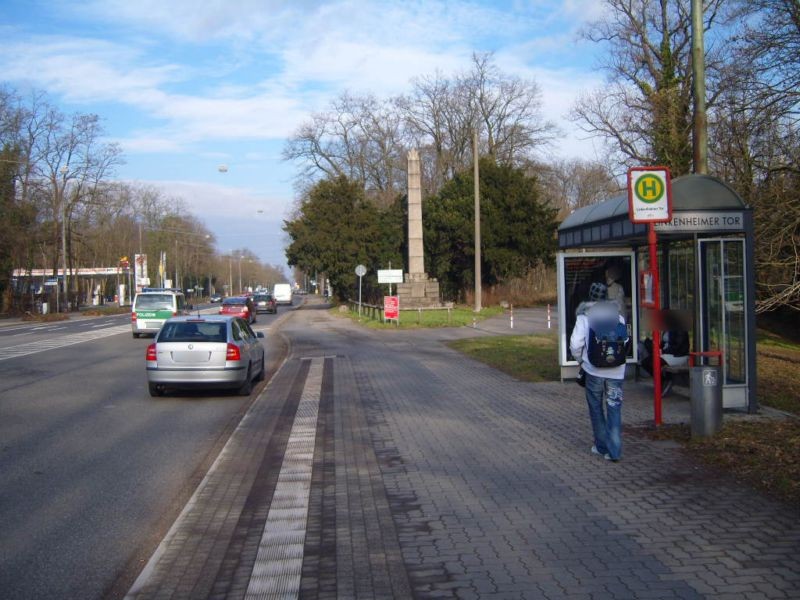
(60, 342)
(279, 563)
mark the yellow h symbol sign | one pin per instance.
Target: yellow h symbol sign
(649, 188)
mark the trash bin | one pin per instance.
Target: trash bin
(705, 391)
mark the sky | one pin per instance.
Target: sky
(185, 87)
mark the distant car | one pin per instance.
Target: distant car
(239, 306)
(209, 352)
(215, 298)
(265, 303)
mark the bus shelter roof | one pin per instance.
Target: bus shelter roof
(607, 223)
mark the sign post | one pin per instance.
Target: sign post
(650, 201)
(391, 308)
(361, 270)
(390, 276)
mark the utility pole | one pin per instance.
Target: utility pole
(177, 283)
(476, 174)
(230, 274)
(700, 137)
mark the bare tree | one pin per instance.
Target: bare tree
(756, 140)
(359, 137)
(439, 122)
(507, 111)
(571, 184)
(366, 139)
(644, 111)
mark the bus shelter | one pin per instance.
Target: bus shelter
(705, 258)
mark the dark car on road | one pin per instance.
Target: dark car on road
(265, 303)
(239, 306)
(209, 352)
(216, 298)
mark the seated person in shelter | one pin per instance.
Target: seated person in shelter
(674, 351)
(616, 293)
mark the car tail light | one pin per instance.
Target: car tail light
(133, 316)
(175, 314)
(151, 353)
(233, 352)
(245, 310)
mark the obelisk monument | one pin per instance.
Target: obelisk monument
(416, 255)
(417, 291)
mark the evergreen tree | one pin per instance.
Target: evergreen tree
(517, 229)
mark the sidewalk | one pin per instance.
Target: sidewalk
(385, 465)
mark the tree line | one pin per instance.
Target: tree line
(61, 206)
(643, 114)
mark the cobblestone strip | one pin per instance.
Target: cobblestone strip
(233, 577)
(191, 556)
(319, 555)
(278, 566)
(369, 561)
(499, 497)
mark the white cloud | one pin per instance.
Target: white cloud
(86, 69)
(210, 200)
(311, 52)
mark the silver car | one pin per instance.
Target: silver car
(206, 352)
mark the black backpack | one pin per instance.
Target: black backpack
(608, 342)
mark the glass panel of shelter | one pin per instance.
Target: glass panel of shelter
(722, 295)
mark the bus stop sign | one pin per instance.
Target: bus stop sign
(649, 195)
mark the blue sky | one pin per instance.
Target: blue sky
(185, 86)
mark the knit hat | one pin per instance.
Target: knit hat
(598, 291)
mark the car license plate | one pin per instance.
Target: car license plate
(191, 357)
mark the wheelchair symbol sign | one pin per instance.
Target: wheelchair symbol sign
(710, 378)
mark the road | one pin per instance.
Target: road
(92, 469)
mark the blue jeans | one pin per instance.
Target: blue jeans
(606, 416)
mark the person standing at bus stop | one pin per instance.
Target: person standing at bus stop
(603, 383)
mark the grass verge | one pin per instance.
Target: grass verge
(106, 311)
(48, 318)
(458, 316)
(763, 452)
(526, 357)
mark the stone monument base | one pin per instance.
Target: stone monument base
(419, 291)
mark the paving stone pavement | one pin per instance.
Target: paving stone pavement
(435, 476)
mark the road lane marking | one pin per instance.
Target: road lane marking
(279, 562)
(60, 342)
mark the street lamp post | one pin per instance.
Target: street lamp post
(177, 281)
(240, 273)
(64, 170)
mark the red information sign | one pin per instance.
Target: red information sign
(391, 307)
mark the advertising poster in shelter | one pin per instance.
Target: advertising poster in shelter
(580, 271)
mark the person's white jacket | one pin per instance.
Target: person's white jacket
(579, 340)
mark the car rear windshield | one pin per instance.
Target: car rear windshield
(188, 331)
(234, 302)
(155, 302)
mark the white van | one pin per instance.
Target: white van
(282, 292)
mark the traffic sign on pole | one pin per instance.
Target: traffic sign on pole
(649, 195)
(650, 201)
(361, 270)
